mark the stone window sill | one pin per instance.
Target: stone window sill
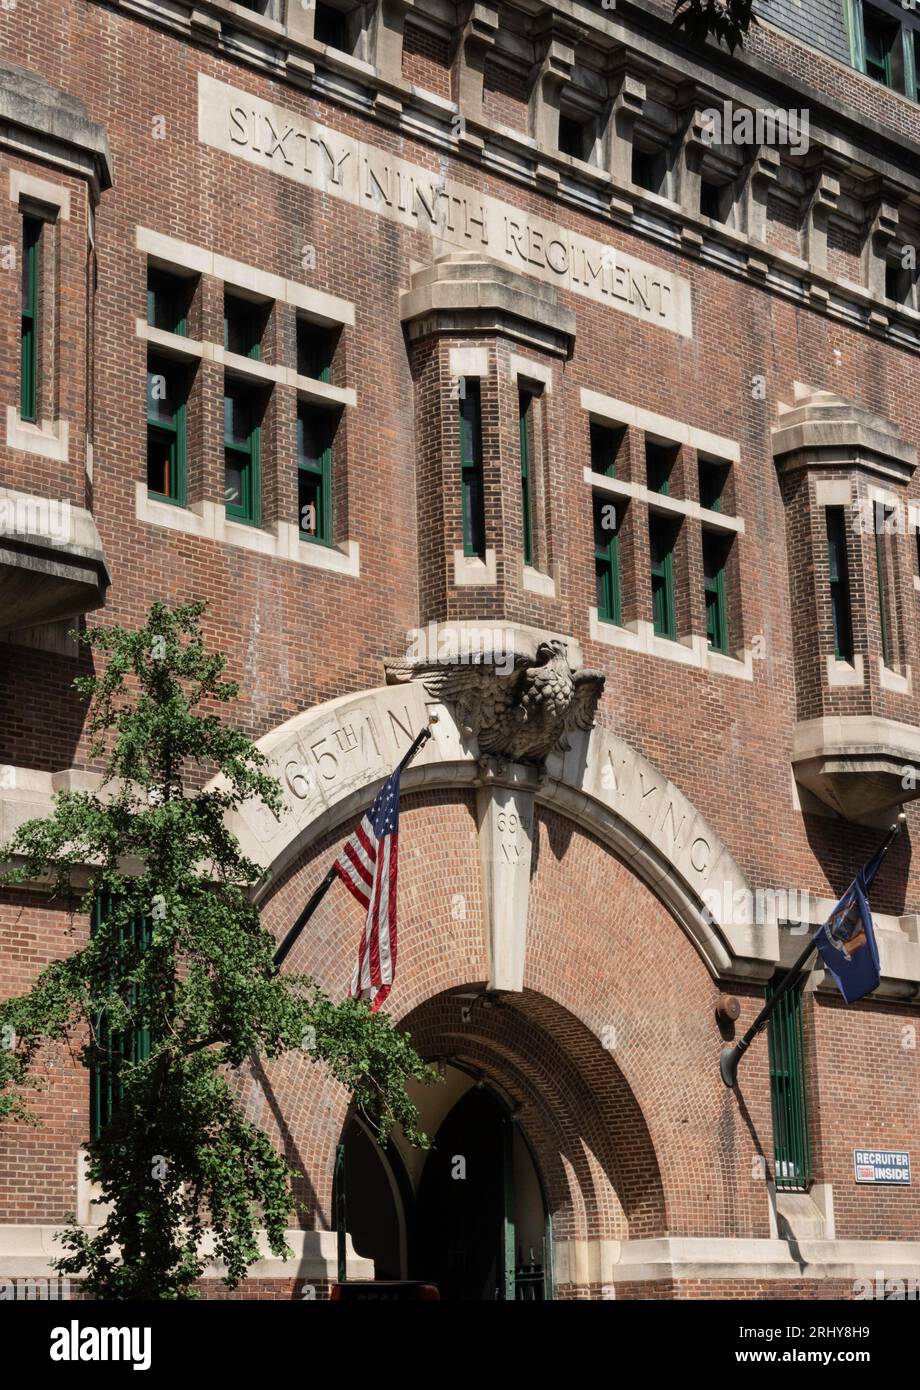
(693, 651)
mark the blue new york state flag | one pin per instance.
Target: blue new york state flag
(846, 942)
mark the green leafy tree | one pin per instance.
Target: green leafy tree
(178, 1158)
(727, 21)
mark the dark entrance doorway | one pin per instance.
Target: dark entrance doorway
(469, 1215)
(462, 1240)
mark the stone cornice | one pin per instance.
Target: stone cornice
(41, 121)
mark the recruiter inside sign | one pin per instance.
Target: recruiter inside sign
(881, 1166)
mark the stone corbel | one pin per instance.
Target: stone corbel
(385, 37)
(477, 37)
(693, 147)
(555, 63)
(882, 231)
(763, 173)
(824, 199)
(628, 93)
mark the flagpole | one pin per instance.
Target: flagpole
(731, 1056)
(320, 892)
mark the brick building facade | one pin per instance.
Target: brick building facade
(355, 320)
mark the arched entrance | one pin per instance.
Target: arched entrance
(470, 1214)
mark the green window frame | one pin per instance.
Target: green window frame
(315, 432)
(243, 323)
(315, 350)
(113, 1048)
(167, 301)
(526, 421)
(884, 43)
(839, 578)
(715, 558)
(242, 452)
(607, 559)
(788, 1092)
(471, 473)
(606, 442)
(167, 431)
(29, 318)
(662, 538)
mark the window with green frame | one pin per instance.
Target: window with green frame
(29, 320)
(471, 480)
(607, 523)
(606, 443)
(662, 534)
(167, 387)
(788, 1096)
(838, 573)
(315, 349)
(315, 433)
(715, 558)
(527, 431)
(244, 323)
(884, 42)
(168, 299)
(243, 407)
(114, 1048)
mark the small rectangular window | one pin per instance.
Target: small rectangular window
(315, 431)
(471, 479)
(574, 133)
(526, 430)
(168, 298)
(243, 407)
(835, 521)
(330, 26)
(606, 443)
(715, 555)
(648, 168)
(29, 318)
(713, 200)
(607, 523)
(659, 464)
(166, 429)
(315, 349)
(712, 479)
(244, 321)
(791, 1147)
(662, 537)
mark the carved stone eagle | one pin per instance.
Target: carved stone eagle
(521, 715)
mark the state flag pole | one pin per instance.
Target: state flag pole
(322, 889)
(731, 1056)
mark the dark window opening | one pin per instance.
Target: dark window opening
(714, 200)
(243, 409)
(471, 479)
(606, 443)
(648, 169)
(316, 346)
(315, 433)
(662, 537)
(898, 282)
(167, 387)
(168, 300)
(715, 557)
(607, 524)
(884, 59)
(712, 478)
(29, 318)
(330, 26)
(835, 519)
(244, 324)
(574, 135)
(659, 464)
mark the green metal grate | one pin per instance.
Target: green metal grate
(133, 1045)
(791, 1149)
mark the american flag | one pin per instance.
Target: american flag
(367, 865)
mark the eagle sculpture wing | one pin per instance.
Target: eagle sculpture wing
(484, 697)
(588, 689)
